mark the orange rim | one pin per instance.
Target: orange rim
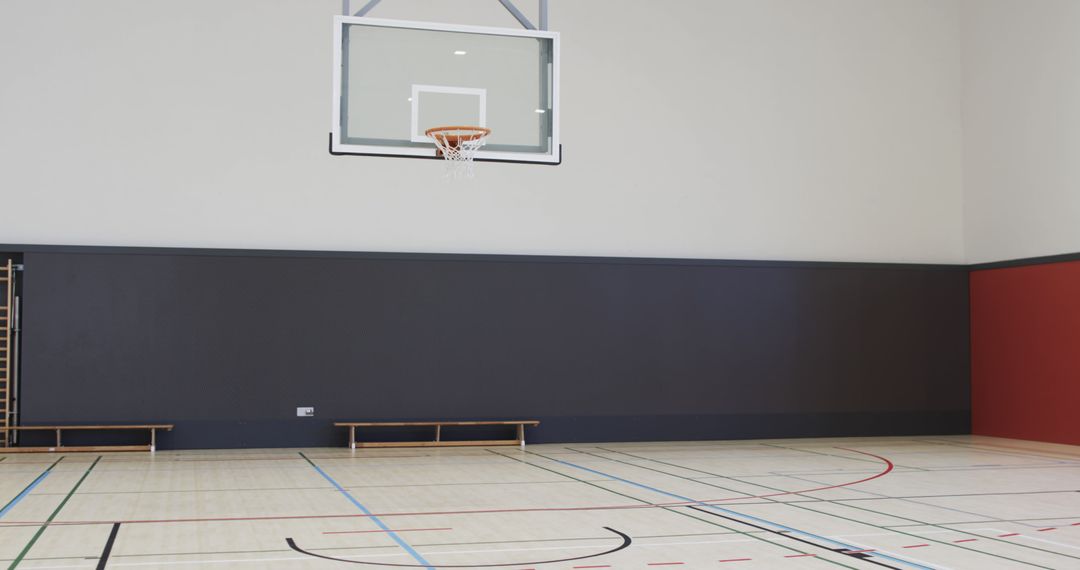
(476, 133)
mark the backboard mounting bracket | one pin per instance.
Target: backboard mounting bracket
(333, 152)
(346, 9)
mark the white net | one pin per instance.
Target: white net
(458, 145)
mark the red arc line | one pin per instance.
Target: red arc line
(888, 469)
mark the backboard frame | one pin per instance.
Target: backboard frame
(554, 157)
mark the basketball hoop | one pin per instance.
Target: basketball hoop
(458, 145)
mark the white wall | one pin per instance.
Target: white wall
(1022, 128)
(792, 129)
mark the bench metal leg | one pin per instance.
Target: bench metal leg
(58, 439)
(153, 440)
(352, 437)
(521, 436)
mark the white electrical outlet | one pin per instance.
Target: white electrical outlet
(305, 412)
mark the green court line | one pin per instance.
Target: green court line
(767, 501)
(889, 529)
(41, 530)
(778, 446)
(941, 526)
(958, 531)
(669, 509)
(989, 449)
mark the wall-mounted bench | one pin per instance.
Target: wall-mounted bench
(438, 441)
(62, 448)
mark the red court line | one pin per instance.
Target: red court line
(798, 555)
(1008, 534)
(157, 461)
(966, 540)
(231, 459)
(1046, 529)
(666, 563)
(597, 566)
(888, 469)
(739, 559)
(915, 546)
(331, 458)
(389, 530)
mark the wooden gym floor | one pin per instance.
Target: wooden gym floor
(924, 502)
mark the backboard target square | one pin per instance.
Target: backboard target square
(441, 105)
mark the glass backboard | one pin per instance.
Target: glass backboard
(395, 79)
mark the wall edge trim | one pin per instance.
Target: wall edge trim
(1025, 261)
(474, 257)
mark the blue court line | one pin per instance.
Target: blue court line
(736, 514)
(26, 491)
(401, 541)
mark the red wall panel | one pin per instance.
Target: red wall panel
(1025, 336)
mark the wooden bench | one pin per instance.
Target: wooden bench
(59, 429)
(438, 441)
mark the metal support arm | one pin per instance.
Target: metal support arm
(517, 14)
(346, 8)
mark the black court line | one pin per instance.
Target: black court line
(362, 548)
(669, 509)
(941, 542)
(865, 557)
(108, 547)
(862, 556)
(843, 503)
(880, 497)
(626, 541)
